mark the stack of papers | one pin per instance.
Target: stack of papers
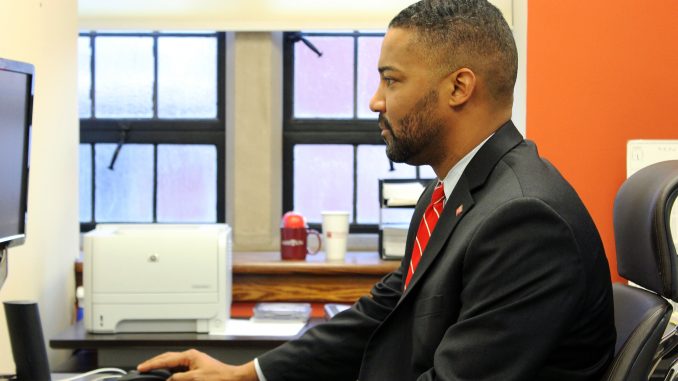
(393, 240)
(331, 309)
(252, 327)
(282, 311)
(401, 194)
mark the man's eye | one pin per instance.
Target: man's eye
(389, 81)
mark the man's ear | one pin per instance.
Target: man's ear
(462, 84)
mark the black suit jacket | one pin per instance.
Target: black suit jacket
(514, 287)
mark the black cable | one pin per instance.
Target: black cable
(296, 37)
(124, 129)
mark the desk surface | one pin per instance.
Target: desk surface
(76, 337)
(128, 349)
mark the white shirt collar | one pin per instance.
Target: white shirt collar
(450, 181)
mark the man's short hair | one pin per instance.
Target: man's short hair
(465, 33)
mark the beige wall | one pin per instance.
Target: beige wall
(246, 15)
(43, 32)
(254, 139)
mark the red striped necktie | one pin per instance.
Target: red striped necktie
(426, 226)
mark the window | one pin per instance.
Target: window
(333, 153)
(151, 127)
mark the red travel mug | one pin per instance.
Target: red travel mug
(294, 237)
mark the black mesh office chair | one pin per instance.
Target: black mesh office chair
(646, 255)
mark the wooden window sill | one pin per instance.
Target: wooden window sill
(264, 277)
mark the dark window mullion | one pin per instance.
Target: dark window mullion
(288, 175)
(92, 63)
(355, 33)
(162, 125)
(153, 137)
(288, 116)
(93, 169)
(221, 77)
(155, 75)
(310, 137)
(288, 81)
(221, 181)
(355, 77)
(355, 184)
(155, 183)
(151, 34)
(346, 126)
(352, 228)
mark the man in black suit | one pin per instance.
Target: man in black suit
(509, 280)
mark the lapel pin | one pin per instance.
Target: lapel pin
(460, 209)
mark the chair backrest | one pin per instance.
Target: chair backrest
(640, 318)
(646, 255)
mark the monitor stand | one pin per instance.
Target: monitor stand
(27, 341)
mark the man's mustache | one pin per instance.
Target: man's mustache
(385, 123)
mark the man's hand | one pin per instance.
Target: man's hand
(200, 367)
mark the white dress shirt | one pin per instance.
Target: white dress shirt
(450, 181)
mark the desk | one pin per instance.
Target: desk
(128, 349)
(257, 277)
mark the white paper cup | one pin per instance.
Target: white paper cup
(335, 234)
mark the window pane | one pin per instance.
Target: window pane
(85, 183)
(187, 77)
(124, 77)
(426, 172)
(187, 183)
(323, 86)
(372, 166)
(368, 76)
(323, 179)
(84, 77)
(124, 194)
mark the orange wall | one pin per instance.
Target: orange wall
(598, 74)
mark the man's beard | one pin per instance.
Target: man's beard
(419, 128)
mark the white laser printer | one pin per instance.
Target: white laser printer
(157, 278)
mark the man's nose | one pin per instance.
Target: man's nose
(377, 103)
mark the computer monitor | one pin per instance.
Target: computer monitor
(16, 108)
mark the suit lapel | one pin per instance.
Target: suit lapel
(456, 207)
(461, 200)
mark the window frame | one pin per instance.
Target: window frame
(350, 131)
(154, 130)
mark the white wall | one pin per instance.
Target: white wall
(44, 33)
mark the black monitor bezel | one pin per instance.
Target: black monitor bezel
(29, 71)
